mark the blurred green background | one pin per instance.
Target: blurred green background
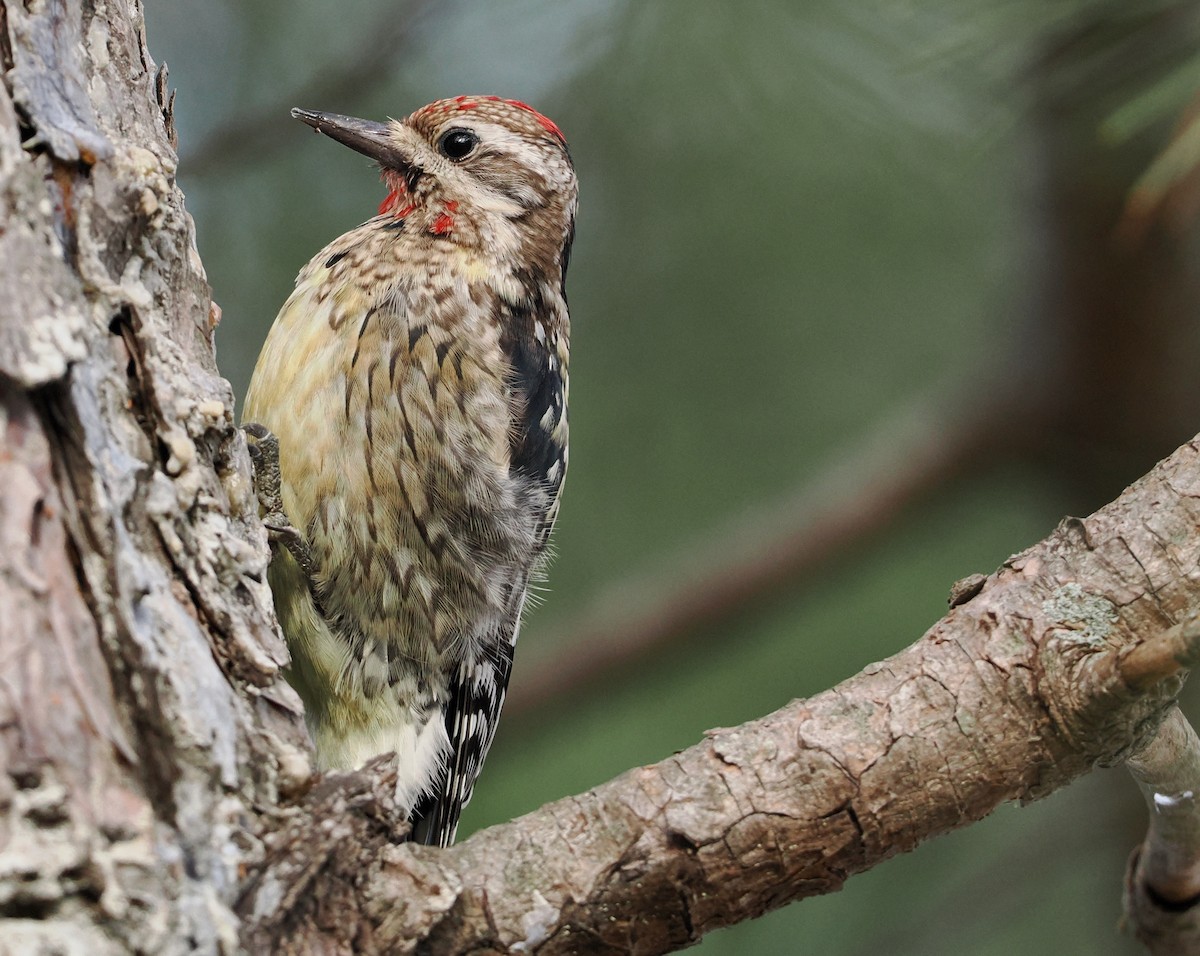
(806, 228)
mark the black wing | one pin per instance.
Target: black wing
(533, 332)
(476, 696)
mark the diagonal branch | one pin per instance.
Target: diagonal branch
(1016, 692)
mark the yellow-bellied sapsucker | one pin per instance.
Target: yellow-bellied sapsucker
(416, 383)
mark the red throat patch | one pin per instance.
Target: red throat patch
(397, 192)
(389, 202)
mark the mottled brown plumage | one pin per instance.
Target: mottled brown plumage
(416, 380)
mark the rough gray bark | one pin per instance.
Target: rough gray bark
(155, 793)
(143, 721)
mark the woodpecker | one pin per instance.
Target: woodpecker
(410, 413)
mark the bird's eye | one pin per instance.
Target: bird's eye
(457, 143)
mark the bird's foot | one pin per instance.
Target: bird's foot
(264, 457)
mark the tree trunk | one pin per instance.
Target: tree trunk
(144, 723)
(155, 785)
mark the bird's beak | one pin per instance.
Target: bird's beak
(367, 137)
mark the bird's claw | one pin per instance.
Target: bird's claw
(263, 447)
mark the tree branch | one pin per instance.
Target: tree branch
(1015, 693)
(1162, 886)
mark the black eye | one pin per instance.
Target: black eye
(457, 143)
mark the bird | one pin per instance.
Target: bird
(407, 418)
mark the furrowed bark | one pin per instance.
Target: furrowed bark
(143, 719)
